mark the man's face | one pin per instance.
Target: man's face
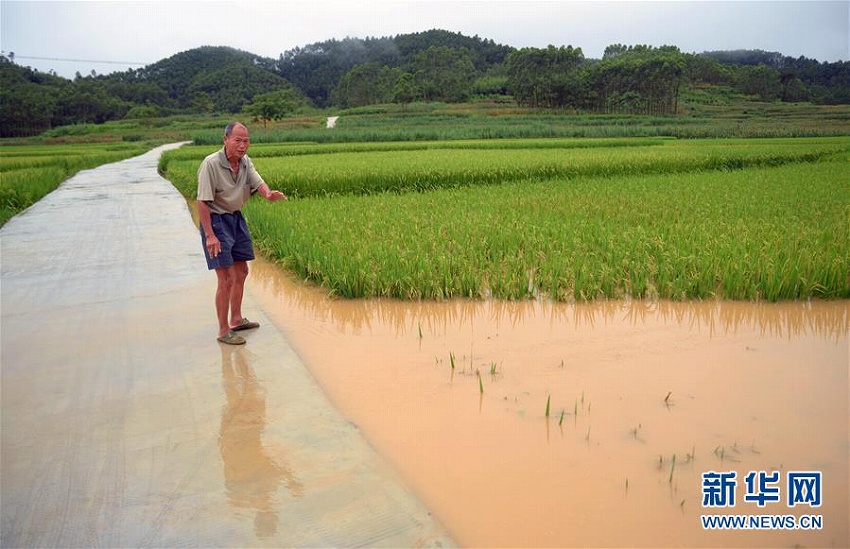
(236, 144)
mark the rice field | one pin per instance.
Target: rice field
(566, 219)
(704, 116)
(28, 173)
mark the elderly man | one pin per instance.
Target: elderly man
(226, 180)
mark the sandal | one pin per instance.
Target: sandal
(232, 338)
(245, 325)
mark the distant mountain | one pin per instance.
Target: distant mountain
(225, 77)
(318, 68)
(435, 65)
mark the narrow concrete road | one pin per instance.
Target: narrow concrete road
(124, 422)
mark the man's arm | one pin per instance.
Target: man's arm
(213, 245)
(269, 194)
(258, 185)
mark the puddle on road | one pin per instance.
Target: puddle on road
(721, 386)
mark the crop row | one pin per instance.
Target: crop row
(441, 122)
(402, 169)
(261, 150)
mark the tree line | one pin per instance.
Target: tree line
(435, 65)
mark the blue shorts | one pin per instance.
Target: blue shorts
(232, 231)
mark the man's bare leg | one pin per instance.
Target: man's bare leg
(240, 273)
(226, 282)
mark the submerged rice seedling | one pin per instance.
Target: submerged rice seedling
(672, 469)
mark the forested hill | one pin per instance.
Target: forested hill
(435, 65)
(319, 69)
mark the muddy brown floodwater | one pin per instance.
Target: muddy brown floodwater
(643, 399)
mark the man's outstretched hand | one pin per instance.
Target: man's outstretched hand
(271, 195)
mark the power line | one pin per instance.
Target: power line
(75, 60)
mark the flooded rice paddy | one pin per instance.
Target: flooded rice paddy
(642, 400)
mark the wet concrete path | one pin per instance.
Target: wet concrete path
(124, 423)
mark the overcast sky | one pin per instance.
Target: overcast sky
(108, 36)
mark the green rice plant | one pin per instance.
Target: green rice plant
(548, 398)
(701, 118)
(736, 219)
(28, 173)
(696, 236)
(399, 170)
(368, 168)
(21, 188)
